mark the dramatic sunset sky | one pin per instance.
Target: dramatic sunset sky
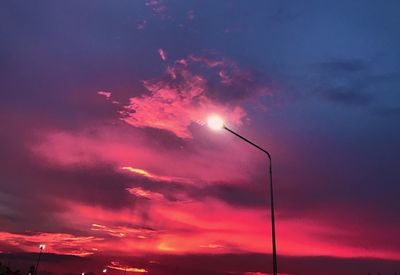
(105, 155)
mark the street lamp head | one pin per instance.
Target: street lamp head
(42, 246)
(215, 122)
(104, 270)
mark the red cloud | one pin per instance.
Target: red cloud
(190, 227)
(55, 242)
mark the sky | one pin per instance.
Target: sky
(107, 159)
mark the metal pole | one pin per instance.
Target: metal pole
(274, 258)
(37, 263)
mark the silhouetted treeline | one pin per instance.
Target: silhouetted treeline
(6, 270)
(380, 273)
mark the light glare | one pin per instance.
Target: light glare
(42, 246)
(215, 122)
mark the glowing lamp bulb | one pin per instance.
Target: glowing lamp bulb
(104, 270)
(42, 246)
(215, 122)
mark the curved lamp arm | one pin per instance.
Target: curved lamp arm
(274, 257)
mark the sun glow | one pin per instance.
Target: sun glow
(215, 122)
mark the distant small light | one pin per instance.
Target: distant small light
(42, 246)
(83, 273)
(215, 122)
(104, 270)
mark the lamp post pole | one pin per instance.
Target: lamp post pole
(41, 247)
(274, 260)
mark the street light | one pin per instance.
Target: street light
(41, 247)
(216, 123)
(105, 270)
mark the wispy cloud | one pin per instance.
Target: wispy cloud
(154, 177)
(118, 266)
(163, 54)
(141, 193)
(124, 231)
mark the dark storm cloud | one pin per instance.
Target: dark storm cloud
(18, 196)
(343, 81)
(241, 263)
(347, 95)
(351, 82)
(30, 189)
(243, 195)
(97, 181)
(388, 112)
(239, 194)
(227, 81)
(62, 181)
(343, 66)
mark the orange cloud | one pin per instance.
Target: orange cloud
(139, 192)
(118, 266)
(147, 174)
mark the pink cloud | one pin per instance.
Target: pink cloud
(184, 96)
(113, 146)
(163, 54)
(157, 6)
(190, 15)
(174, 105)
(209, 62)
(106, 94)
(141, 25)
